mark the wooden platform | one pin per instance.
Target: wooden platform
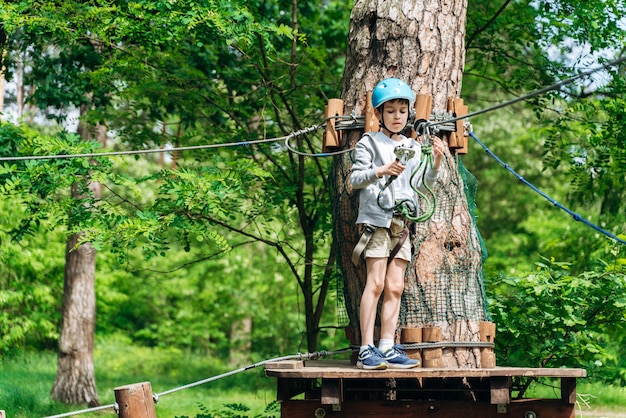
(336, 388)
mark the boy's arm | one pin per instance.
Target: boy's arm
(363, 169)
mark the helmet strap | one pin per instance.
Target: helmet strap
(382, 125)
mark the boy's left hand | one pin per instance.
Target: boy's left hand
(438, 149)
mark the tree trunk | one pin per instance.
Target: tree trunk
(75, 381)
(420, 42)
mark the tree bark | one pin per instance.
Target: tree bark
(421, 42)
(75, 381)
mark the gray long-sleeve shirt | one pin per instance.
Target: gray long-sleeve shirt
(376, 149)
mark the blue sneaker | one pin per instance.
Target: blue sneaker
(397, 359)
(371, 359)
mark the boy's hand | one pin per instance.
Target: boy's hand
(438, 149)
(393, 168)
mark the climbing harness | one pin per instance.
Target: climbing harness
(366, 236)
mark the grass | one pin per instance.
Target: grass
(594, 400)
(26, 380)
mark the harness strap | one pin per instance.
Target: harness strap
(399, 244)
(366, 236)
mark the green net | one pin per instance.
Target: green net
(445, 278)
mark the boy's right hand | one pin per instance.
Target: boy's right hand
(393, 168)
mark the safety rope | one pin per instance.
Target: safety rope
(84, 411)
(574, 215)
(300, 356)
(406, 207)
(447, 344)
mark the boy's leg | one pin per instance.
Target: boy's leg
(376, 268)
(394, 286)
(369, 356)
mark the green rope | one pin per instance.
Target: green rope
(406, 207)
(431, 201)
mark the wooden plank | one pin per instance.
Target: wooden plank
(285, 364)
(500, 390)
(342, 369)
(372, 124)
(568, 390)
(331, 137)
(288, 388)
(332, 391)
(410, 409)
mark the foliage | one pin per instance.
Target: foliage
(553, 318)
(207, 238)
(187, 75)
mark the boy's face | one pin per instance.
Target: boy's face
(395, 114)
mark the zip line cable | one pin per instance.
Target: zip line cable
(535, 93)
(146, 151)
(300, 356)
(315, 127)
(356, 124)
(574, 215)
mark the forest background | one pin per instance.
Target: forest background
(226, 251)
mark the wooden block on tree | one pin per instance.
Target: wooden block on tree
(461, 140)
(432, 357)
(431, 334)
(411, 335)
(423, 106)
(332, 137)
(453, 142)
(372, 124)
(487, 334)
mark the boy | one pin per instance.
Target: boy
(383, 182)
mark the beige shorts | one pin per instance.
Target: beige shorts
(384, 240)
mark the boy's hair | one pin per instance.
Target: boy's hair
(382, 105)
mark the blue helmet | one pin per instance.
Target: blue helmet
(390, 89)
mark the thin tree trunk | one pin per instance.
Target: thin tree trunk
(421, 42)
(75, 381)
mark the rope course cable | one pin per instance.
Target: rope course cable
(343, 123)
(574, 215)
(535, 93)
(357, 122)
(156, 396)
(84, 411)
(300, 356)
